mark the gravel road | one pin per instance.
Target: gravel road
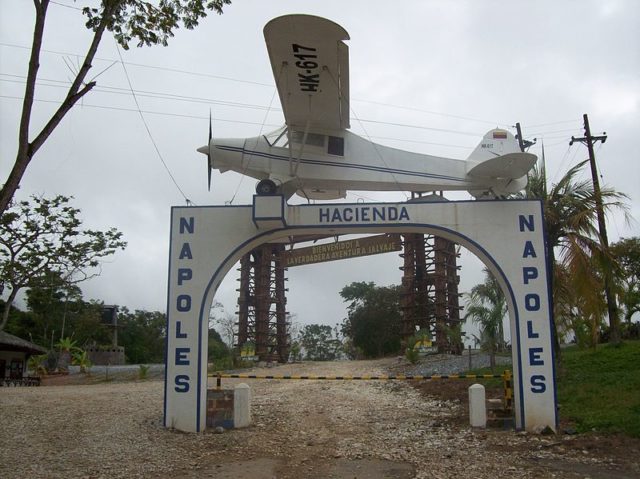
(301, 429)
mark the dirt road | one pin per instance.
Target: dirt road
(301, 429)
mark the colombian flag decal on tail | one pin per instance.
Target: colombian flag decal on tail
(499, 135)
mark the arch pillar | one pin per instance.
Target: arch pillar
(507, 236)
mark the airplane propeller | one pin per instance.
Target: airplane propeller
(209, 159)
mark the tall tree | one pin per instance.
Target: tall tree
(487, 307)
(572, 236)
(55, 311)
(44, 238)
(47, 302)
(142, 333)
(58, 310)
(140, 21)
(627, 252)
(319, 343)
(373, 322)
(223, 322)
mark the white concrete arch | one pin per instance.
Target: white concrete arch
(507, 236)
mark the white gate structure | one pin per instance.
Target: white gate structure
(507, 236)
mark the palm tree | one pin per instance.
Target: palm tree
(575, 252)
(487, 307)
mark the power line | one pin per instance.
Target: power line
(406, 140)
(554, 143)
(419, 127)
(150, 112)
(554, 137)
(155, 145)
(242, 176)
(541, 133)
(204, 117)
(142, 65)
(564, 159)
(142, 93)
(551, 123)
(420, 110)
(380, 156)
(177, 97)
(65, 5)
(209, 101)
(270, 85)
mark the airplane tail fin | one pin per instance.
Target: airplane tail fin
(495, 143)
(498, 162)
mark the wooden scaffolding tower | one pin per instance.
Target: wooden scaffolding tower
(429, 298)
(262, 315)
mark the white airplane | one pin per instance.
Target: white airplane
(314, 154)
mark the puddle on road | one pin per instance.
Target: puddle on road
(264, 468)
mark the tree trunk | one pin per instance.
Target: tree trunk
(79, 88)
(615, 337)
(23, 157)
(492, 359)
(7, 307)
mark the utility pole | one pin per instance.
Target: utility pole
(524, 144)
(612, 306)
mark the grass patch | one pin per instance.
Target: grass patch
(229, 363)
(600, 390)
(597, 390)
(493, 383)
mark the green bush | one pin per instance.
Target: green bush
(412, 352)
(412, 355)
(143, 371)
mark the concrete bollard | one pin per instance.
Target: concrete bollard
(241, 405)
(477, 406)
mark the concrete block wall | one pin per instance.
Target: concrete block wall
(220, 408)
(101, 357)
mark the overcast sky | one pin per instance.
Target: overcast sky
(416, 68)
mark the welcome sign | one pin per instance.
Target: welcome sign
(341, 250)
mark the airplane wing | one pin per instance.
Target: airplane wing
(310, 65)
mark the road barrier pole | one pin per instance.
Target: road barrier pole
(508, 390)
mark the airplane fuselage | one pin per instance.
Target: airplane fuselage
(331, 163)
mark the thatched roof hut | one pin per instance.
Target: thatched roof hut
(9, 342)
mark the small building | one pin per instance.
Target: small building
(14, 354)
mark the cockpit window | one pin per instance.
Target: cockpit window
(278, 138)
(336, 146)
(313, 139)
